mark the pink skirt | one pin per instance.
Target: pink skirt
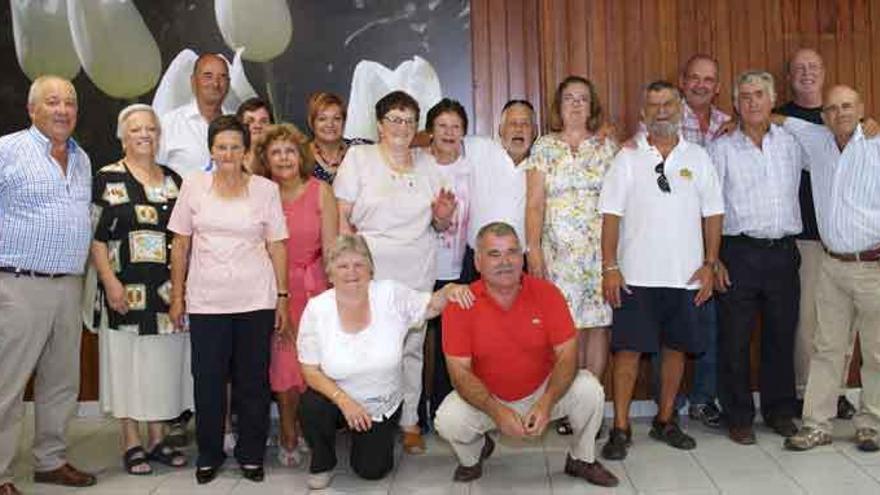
(284, 370)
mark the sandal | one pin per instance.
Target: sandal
(289, 458)
(563, 427)
(134, 457)
(167, 455)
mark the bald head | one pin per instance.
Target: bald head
(210, 80)
(52, 107)
(842, 111)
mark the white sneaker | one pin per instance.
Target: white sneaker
(229, 441)
(319, 481)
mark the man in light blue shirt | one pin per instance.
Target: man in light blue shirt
(45, 231)
(845, 170)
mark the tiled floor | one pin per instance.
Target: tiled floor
(716, 466)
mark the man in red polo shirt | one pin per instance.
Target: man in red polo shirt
(512, 358)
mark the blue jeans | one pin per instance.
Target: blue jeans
(704, 389)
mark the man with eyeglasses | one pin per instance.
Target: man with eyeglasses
(806, 75)
(662, 214)
(844, 162)
(759, 166)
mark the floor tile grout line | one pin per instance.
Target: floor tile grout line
(859, 466)
(705, 471)
(782, 469)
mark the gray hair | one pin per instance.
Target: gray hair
(349, 244)
(36, 89)
(658, 86)
(498, 229)
(122, 119)
(762, 77)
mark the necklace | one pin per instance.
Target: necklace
(327, 163)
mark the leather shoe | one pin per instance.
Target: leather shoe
(592, 472)
(783, 427)
(743, 435)
(255, 473)
(206, 474)
(66, 475)
(9, 489)
(465, 474)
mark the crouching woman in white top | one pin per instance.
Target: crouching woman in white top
(350, 344)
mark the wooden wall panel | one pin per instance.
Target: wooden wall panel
(623, 44)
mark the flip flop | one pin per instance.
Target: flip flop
(134, 457)
(167, 455)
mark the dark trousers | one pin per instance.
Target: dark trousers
(441, 385)
(372, 452)
(231, 347)
(764, 280)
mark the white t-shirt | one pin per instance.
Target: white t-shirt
(455, 177)
(184, 143)
(661, 237)
(366, 365)
(393, 213)
(498, 188)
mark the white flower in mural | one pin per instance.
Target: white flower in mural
(372, 80)
(42, 38)
(116, 49)
(262, 27)
(175, 89)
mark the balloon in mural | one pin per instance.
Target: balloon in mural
(372, 80)
(42, 38)
(115, 47)
(262, 27)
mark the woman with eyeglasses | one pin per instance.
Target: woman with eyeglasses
(394, 200)
(563, 224)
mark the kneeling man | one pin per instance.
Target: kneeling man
(512, 359)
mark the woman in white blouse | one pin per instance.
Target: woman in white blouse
(350, 346)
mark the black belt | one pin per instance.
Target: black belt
(869, 255)
(782, 242)
(30, 273)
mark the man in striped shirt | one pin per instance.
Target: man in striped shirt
(845, 170)
(45, 231)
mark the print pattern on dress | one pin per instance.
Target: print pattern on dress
(147, 246)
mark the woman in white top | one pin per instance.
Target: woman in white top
(350, 346)
(396, 202)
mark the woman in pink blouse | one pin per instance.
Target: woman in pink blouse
(229, 259)
(310, 210)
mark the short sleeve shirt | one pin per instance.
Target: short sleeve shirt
(511, 350)
(393, 212)
(365, 364)
(661, 236)
(229, 267)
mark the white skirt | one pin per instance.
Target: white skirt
(145, 377)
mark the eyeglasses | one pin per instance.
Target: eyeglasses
(399, 121)
(662, 181)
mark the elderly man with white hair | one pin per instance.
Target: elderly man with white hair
(759, 166)
(45, 190)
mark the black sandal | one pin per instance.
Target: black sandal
(563, 427)
(134, 457)
(167, 455)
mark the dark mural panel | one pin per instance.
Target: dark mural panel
(329, 38)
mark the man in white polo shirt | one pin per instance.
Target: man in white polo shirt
(662, 214)
(184, 145)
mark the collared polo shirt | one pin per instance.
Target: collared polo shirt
(511, 349)
(44, 215)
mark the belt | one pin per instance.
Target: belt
(30, 273)
(869, 255)
(781, 242)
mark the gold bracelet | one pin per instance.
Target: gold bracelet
(610, 268)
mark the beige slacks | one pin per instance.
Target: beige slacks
(413, 363)
(465, 426)
(811, 259)
(847, 299)
(40, 330)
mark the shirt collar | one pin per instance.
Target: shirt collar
(44, 140)
(643, 144)
(191, 109)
